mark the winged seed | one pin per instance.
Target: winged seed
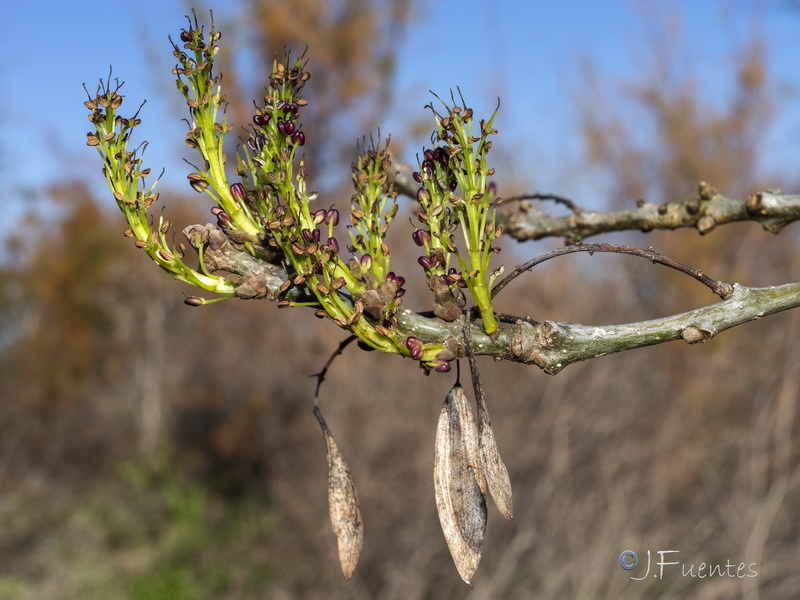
(343, 507)
(459, 484)
(494, 469)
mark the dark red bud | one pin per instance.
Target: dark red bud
(262, 120)
(298, 138)
(417, 177)
(442, 366)
(416, 352)
(319, 216)
(420, 236)
(423, 195)
(290, 128)
(427, 165)
(425, 262)
(308, 236)
(237, 191)
(282, 127)
(429, 154)
(315, 235)
(332, 217)
(193, 301)
(366, 261)
(333, 244)
(400, 281)
(413, 342)
(223, 220)
(400, 293)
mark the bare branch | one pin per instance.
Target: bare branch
(773, 210)
(721, 289)
(552, 345)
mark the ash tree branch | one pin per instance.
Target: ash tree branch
(550, 345)
(772, 209)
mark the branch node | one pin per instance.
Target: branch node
(694, 335)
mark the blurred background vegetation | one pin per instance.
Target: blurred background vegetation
(153, 451)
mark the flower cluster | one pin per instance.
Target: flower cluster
(454, 191)
(270, 212)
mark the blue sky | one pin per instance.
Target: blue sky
(526, 52)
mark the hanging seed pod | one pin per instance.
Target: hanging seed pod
(494, 469)
(343, 507)
(497, 479)
(459, 483)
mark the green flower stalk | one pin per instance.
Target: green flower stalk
(457, 164)
(126, 179)
(202, 89)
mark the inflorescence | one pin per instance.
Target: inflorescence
(269, 212)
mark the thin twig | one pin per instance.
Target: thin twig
(473, 364)
(721, 289)
(553, 197)
(321, 375)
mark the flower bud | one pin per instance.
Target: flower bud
(429, 154)
(319, 216)
(426, 262)
(332, 217)
(281, 127)
(420, 236)
(289, 127)
(308, 236)
(416, 352)
(412, 341)
(193, 301)
(366, 262)
(417, 177)
(298, 138)
(423, 195)
(400, 281)
(262, 120)
(442, 366)
(333, 245)
(237, 191)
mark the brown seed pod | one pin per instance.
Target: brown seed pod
(494, 469)
(343, 507)
(459, 483)
(497, 479)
